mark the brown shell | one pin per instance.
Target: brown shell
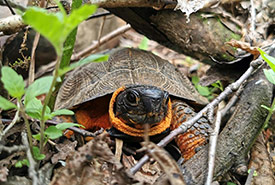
(124, 67)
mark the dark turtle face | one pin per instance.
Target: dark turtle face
(142, 104)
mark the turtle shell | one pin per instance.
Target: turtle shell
(125, 67)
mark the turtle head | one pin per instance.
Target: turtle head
(133, 106)
(142, 105)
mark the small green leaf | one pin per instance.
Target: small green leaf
(144, 44)
(38, 87)
(62, 112)
(254, 173)
(218, 85)
(269, 59)
(270, 75)
(204, 91)
(37, 137)
(195, 80)
(34, 108)
(53, 133)
(36, 153)
(89, 59)
(230, 183)
(64, 126)
(21, 163)
(6, 104)
(13, 82)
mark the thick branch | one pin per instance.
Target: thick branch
(11, 24)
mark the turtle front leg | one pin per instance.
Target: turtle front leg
(189, 142)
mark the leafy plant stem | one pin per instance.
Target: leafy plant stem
(47, 99)
(27, 123)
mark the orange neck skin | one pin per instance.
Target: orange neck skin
(123, 127)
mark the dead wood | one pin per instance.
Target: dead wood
(261, 161)
(238, 135)
(200, 38)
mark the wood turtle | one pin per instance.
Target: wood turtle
(132, 88)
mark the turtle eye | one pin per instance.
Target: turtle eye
(132, 97)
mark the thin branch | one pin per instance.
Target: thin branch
(214, 136)
(184, 126)
(13, 148)
(32, 65)
(253, 17)
(31, 170)
(10, 8)
(82, 132)
(133, 3)
(15, 120)
(103, 40)
(13, 4)
(212, 148)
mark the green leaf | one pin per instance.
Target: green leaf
(13, 82)
(6, 104)
(36, 153)
(144, 44)
(34, 108)
(62, 112)
(269, 59)
(38, 87)
(91, 58)
(37, 137)
(230, 183)
(195, 80)
(53, 133)
(56, 26)
(204, 91)
(254, 173)
(218, 85)
(64, 126)
(21, 163)
(270, 75)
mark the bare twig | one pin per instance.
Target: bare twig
(100, 33)
(212, 148)
(10, 8)
(132, 3)
(13, 148)
(32, 65)
(15, 119)
(214, 136)
(184, 126)
(82, 132)
(253, 17)
(31, 170)
(103, 40)
(13, 4)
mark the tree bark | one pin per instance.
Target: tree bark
(199, 38)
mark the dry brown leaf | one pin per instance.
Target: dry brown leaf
(260, 160)
(167, 164)
(93, 163)
(64, 150)
(244, 46)
(149, 173)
